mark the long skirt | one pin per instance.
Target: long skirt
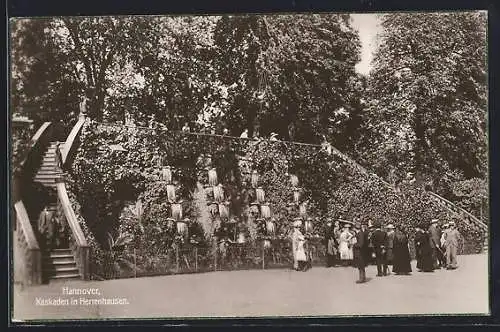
(345, 252)
(401, 262)
(389, 256)
(424, 260)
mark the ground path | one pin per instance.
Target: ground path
(320, 291)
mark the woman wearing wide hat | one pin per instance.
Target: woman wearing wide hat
(424, 249)
(298, 240)
(389, 244)
(402, 259)
(345, 245)
(331, 244)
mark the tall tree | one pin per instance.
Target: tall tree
(427, 95)
(292, 74)
(57, 62)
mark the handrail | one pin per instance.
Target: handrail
(23, 218)
(69, 147)
(473, 218)
(33, 274)
(82, 248)
(71, 218)
(24, 230)
(37, 139)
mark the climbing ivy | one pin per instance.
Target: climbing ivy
(331, 186)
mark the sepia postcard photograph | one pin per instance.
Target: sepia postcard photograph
(250, 165)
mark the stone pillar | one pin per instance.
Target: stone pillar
(83, 107)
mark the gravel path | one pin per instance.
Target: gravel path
(318, 292)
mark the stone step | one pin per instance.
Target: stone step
(47, 168)
(57, 264)
(61, 251)
(63, 269)
(51, 184)
(59, 255)
(46, 173)
(46, 176)
(48, 162)
(64, 277)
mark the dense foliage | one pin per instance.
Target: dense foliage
(427, 96)
(289, 74)
(21, 142)
(329, 185)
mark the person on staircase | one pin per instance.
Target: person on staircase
(58, 155)
(61, 234)
(46, 228)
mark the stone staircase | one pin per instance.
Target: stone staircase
(59, 264)
(56, 263)
(450, 206)
(48, 172)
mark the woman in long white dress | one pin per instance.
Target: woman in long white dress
(345, 246)
(299, 255)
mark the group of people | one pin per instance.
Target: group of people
(52, 231)
(360, 243)
(436, 248)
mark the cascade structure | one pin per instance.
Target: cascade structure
(176, 213)
(259, 207)
(216, 195)
(299, 206)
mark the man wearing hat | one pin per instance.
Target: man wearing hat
(379, 239)
(330, 243)
(451, 244)
(360, 251)
(389, 245)
(435, 237)
(442, 248)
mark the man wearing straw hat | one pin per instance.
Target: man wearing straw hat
(451, 245)
(442, 248)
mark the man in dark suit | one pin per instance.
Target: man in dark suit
(379, 242)
(435, 241)
(46, 228)
(360, 251)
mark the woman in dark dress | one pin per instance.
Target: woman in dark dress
(401, 261)
(424, 250)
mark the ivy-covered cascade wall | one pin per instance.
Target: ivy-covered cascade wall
(120, 198)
